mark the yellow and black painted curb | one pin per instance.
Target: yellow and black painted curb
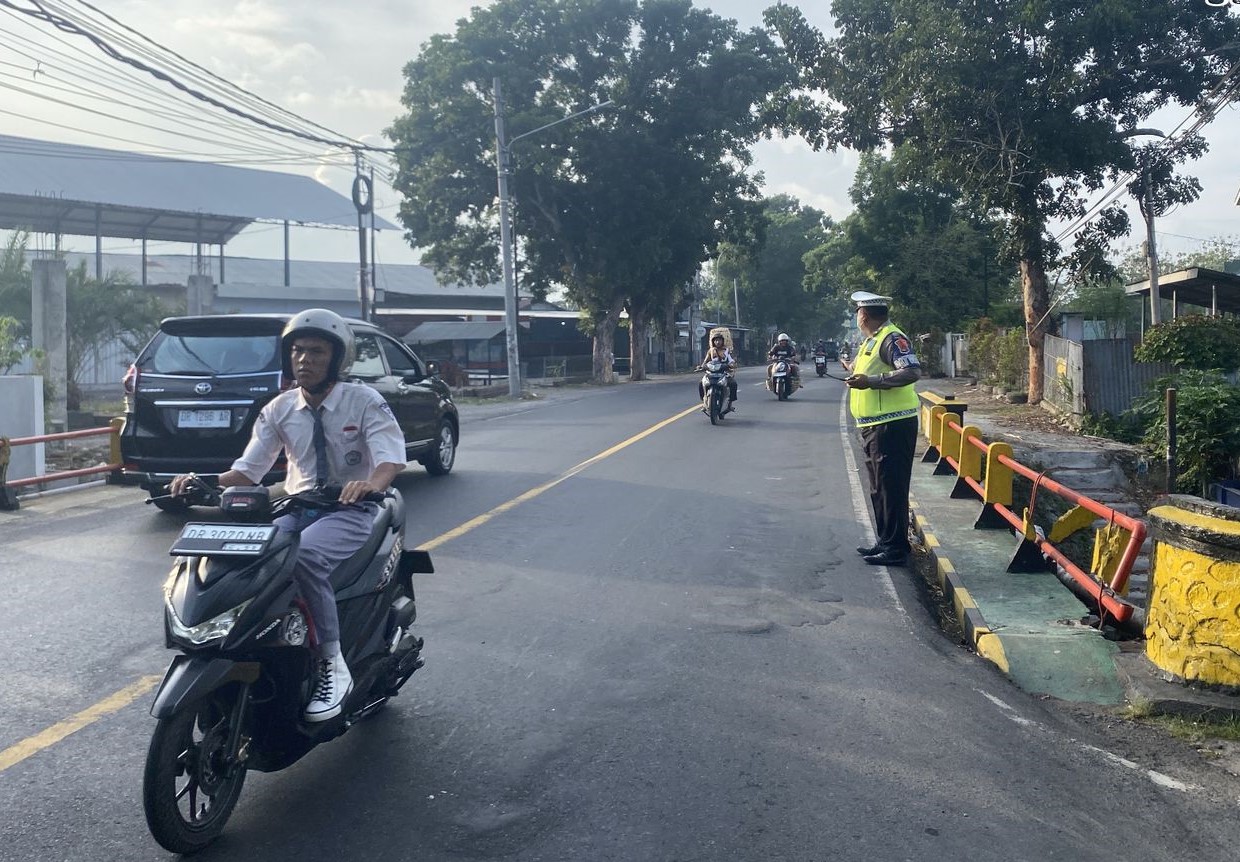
(984, 641)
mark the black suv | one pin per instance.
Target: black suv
(194, 392)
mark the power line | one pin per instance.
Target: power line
(65, 25)
(131, 88)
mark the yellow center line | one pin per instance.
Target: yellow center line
(473, 523)
(33, 745)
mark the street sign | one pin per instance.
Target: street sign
(700, 331)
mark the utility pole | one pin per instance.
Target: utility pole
(505, 241)
(1147, 210)
(363, 199)
(1151, 252)
(736, 302)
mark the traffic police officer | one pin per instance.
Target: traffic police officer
(884, 406)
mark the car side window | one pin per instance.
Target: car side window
(369, 361)
(401, 363)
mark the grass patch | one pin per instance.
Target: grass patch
(1197, 728)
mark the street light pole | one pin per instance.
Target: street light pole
(503, 154)
(505, 241)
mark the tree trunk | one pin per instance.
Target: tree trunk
(639, 326)
(604, 345)
(1037, 305)
(669, 339)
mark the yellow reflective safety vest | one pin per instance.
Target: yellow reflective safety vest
(876, 406)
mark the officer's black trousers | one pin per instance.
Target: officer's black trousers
(889, 464)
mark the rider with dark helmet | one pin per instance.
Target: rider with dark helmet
(332, 433)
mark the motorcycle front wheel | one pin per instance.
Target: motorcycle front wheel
(189, 786)
(716, 407)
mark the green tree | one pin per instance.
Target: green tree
(1022, 106)
(619, 207)
(12, 346)
(769, 269)
(1214, 253)
(100, 312)
(15, 281)
(916, 242)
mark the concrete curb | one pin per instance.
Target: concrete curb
(984, 641)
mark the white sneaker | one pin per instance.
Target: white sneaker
(332, 686)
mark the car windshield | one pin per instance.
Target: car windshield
(212, 354)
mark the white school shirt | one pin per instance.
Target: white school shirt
(359, 426)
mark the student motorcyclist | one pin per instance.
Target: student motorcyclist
(783, 349)
(332, 432)
(718, 350)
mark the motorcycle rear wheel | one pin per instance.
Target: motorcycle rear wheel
(188, 788)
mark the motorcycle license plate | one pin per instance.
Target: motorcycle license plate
(229, 540)
(204, 418)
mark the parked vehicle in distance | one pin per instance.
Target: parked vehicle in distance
(194, 392)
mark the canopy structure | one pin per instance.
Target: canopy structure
(1208, 289)
(56, 188)
(454, 330)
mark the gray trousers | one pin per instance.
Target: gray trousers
(326, 541)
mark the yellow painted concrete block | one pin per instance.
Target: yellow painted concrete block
(1193, 626)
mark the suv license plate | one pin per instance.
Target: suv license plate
(204, 418)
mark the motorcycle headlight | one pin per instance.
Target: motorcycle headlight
(215, 628)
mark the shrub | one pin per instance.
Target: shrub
(1193, 341)
(1207, 433)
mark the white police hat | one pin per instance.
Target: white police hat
(865, 299)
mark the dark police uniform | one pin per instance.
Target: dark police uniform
(886, 415)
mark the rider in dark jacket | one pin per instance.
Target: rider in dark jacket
(783, 349)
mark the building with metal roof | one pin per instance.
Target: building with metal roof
(56, 188)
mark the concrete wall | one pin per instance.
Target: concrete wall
(22, 416)
(49, 330)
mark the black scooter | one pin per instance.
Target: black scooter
(232, 700)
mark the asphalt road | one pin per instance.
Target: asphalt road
(670, 652)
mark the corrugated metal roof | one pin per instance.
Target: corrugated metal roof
(454, 330)
(53, 187)
(253, 276)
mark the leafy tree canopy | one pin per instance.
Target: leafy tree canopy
(1024, 107)
(619, 205)
(917, 242)
(770, 271)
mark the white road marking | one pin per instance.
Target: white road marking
(862, 509)
(1157, 778)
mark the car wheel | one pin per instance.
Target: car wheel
(439, 461)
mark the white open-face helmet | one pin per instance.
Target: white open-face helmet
(783, 336)
(321, 323)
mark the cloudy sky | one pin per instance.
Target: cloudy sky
(339, 65)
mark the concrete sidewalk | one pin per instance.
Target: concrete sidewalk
(1029, 624)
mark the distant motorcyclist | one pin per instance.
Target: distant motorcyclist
(783, 349)
(719, 350)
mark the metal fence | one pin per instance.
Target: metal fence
(1063, 377)
(1097, 376)
(1113, 380)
